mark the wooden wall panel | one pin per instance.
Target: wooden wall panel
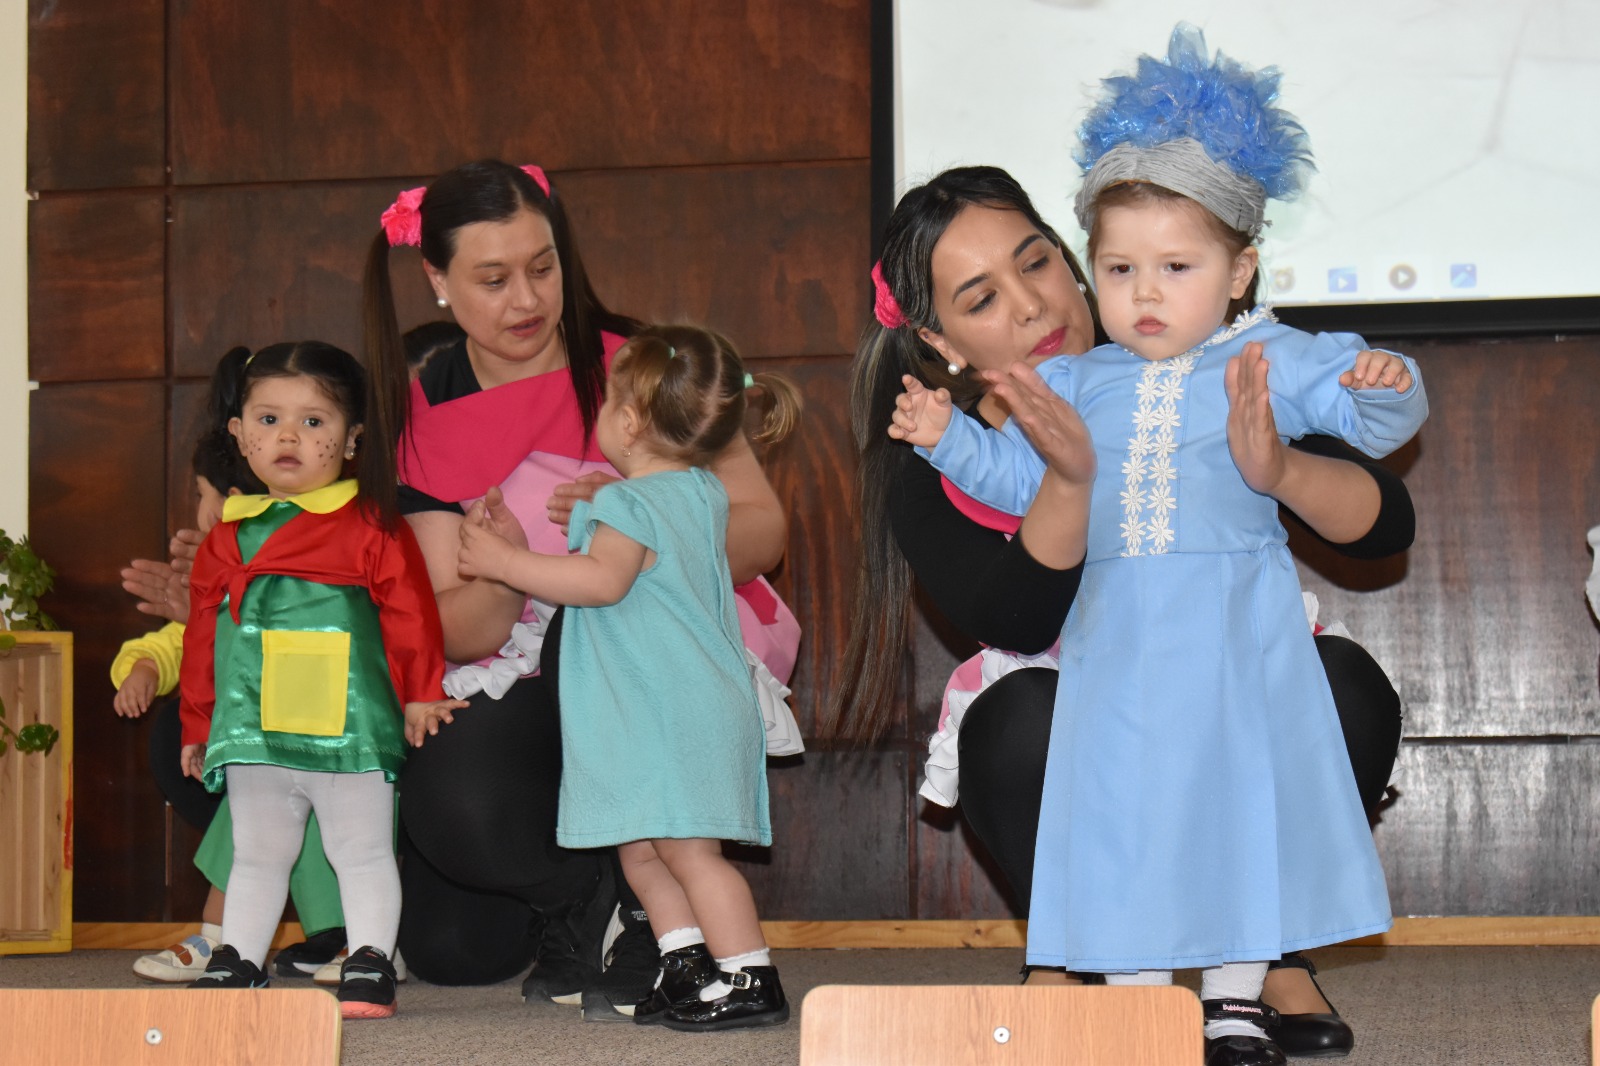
(775, 257)
(567, 86)
(1487, 634)
(96, 94)
(1494, 829)
(97, 457)
(256, 266)
(840, 846)
(95, 309)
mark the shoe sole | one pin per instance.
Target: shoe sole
(568, 999)
(600, 1009)
(754, 1021)
(172, 977)
(366, 1010)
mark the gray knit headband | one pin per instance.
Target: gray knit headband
(1184, 167)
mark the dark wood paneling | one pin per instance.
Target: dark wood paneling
(567, 86)
(757, 253)
(1488, 634)
(96, 499)
(775, 257)
(955, 876)
(1494, 829)
(95, 290)
(812, 473)
(261, 265)
(96, 94)
(839, 833)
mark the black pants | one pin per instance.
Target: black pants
(188, 797)
(1005, 738)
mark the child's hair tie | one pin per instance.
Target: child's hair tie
(672, 353)
(537, 174)
(402, 222)
(885, 308)
(1205, 127)
(749, 382)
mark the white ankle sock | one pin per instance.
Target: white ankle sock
(1233, 980)
(673, 939)
(211, 932)
(732, 964)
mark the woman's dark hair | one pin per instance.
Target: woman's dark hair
(216, 454)
(1140, 193)
(341, 379)
(689, 385)
(424, 342)
(869, 679)
(485, 191)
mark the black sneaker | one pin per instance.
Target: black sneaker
(630, 974)
(228, 970)
(568, 958)
(311, 954)
(366, 985)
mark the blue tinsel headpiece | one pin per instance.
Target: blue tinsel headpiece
(1226, 113)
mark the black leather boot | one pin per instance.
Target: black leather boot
(756, 998)
(1310, 1035)
(1241, 1050)
(684, 973)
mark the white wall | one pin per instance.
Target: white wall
(13, 267)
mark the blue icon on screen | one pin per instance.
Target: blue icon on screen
(1342, 279)
(1463, 275)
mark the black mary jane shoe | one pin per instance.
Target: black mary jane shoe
(754, 998)
(1241, 1050)
(684, 973)
(1310, 1036)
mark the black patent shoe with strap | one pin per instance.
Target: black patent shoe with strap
(1241, 1050)
(684, 972)
(1310, 1036)
(754, 998)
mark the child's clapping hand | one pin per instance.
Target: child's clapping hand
(490, 537)
(423, 719)
(1377, 370)
(137, 690)
(921, 415)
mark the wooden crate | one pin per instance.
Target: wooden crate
(36, 799)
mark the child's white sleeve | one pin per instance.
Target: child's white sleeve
(1307, 397)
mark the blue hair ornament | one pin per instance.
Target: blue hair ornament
(1227, 108)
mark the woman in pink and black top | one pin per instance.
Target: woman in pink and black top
(507, 415)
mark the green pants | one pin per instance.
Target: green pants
(312, 883)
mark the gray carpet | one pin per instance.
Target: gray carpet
(1411, 1006)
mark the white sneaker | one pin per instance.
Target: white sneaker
(328, 973)
(179, 964)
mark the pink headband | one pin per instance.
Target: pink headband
(402, 222)
(884, 306)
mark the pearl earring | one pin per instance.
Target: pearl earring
(442, 302)
(626, 454)
(1082, 287)
(954, 368)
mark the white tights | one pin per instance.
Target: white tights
(270, 806)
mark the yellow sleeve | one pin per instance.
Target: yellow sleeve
(164, 647)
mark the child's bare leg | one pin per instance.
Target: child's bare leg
(718, 895)
(212, 912)
(659, 892)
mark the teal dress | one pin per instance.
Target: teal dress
(661, 734)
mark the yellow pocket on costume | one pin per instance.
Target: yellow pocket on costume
(305, 679)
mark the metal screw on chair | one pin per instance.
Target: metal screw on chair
(152, 1037)
(1001, 1034)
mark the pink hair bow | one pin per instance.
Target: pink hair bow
(885, 308)
(402, 222)
(537, 174)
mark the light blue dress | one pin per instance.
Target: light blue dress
(1198, 801)
(661, 734)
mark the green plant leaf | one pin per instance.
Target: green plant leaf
(39, 736)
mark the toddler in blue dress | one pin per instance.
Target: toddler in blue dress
(1199, 811)
(662, 742)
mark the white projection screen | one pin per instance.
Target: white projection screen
(1457, 141)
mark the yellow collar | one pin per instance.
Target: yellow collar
(325, 500)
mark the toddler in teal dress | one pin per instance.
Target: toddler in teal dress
(662, 742)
